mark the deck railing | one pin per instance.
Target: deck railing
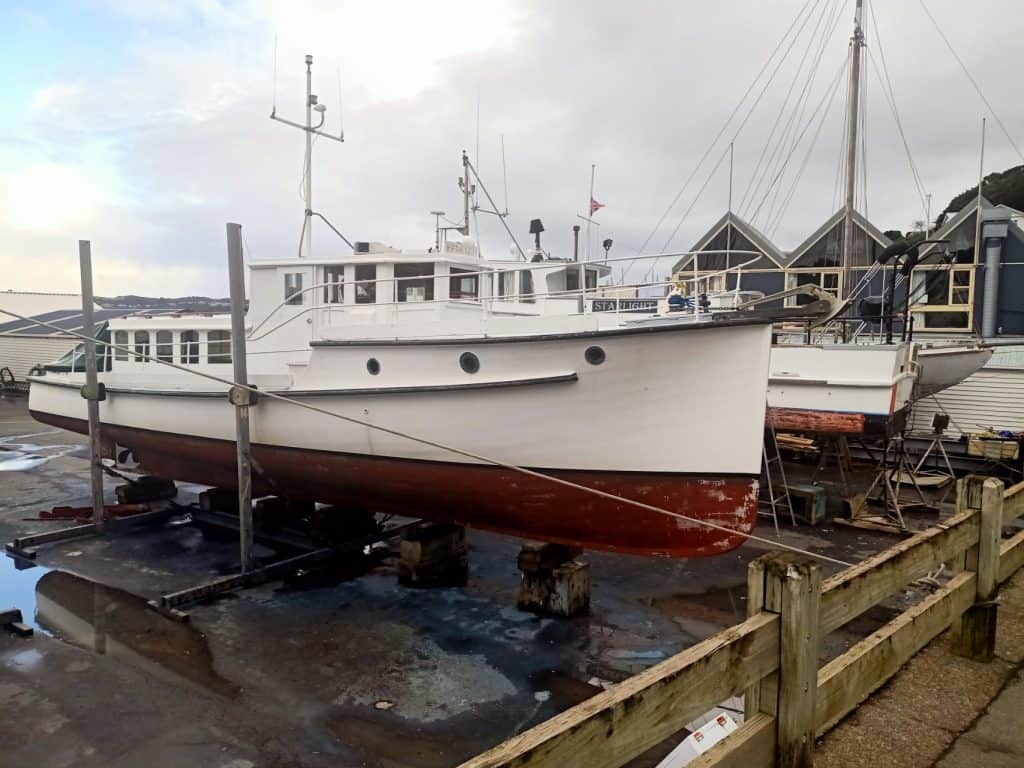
(773, 656)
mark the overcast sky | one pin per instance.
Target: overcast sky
(144, 127)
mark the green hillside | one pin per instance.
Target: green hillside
(1006, 188)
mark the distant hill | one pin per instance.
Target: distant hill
(1003, 188)
(181, 304)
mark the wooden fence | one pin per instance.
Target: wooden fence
(773, 656)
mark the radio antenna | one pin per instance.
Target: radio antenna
(274, 108)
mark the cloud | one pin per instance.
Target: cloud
(151, 159)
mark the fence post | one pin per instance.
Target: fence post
(790, 586)
(975, 636)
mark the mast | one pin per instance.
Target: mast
(312, 105)
(857, 41)
(464, 183)
(307, 225)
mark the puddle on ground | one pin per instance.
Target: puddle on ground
(19, 457)
(110, 622)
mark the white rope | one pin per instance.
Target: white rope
(459, 452)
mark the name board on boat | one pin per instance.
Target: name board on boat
(624, 305)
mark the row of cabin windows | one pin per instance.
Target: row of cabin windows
(413, 282)
(218, 347)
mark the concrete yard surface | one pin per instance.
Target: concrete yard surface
(943, 710)
(351, 669)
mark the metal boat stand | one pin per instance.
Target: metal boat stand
(889, 480)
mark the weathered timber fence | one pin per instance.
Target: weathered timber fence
(773, 656)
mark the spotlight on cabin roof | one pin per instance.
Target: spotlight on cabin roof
(536, 226)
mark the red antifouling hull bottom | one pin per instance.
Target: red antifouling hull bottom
(479, 496)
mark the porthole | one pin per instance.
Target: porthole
(373, 366)
(470, 363)
(594, 355)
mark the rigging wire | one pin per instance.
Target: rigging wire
(970, 77)
(266, 394)
(726, 124)
(757, 175)
(890, 96)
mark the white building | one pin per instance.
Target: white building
(23, 344)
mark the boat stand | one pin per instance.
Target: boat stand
(889, 480)
(940, 421)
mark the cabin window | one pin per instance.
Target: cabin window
(218, 347)
(414, 282)
(506, 283)
(366, 292)
(141, 346)
(121, 342)
(464, 284)
(334, 288)
(293, 288)
(165, 346)
(189, 347)
(591, 278)
(572, 279)
(526, 286)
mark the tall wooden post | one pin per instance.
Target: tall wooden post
(975, 637)
(791, 587)
(241, 398)
(92, 392)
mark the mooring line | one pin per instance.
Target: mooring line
(440, 446)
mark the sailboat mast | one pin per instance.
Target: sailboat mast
(309, 158)
(857, 41)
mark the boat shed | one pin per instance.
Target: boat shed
(24, 345)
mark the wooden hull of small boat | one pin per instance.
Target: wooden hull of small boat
(480, 496)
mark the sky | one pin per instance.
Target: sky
(143, 126)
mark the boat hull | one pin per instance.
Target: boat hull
(944, 367)
(480, 496)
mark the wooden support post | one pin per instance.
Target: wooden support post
(792, 588)
(554, 581)
(975, 637)
(241, 398)
(92, 391)
(753, 701)
(433, 555)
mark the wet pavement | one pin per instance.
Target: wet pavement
(357, 671)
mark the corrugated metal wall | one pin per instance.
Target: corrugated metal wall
(20, 353)
(991, 398)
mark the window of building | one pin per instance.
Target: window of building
(526, 286)
(189, 347)
(293, 288)
(141, 346)
(165, 346)
(464, 284)
(942, 298)
(830, 281)
(121, 342)
(334, 285)
(218, 347)
(366, 292)
(414, 282)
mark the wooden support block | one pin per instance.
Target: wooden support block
(537, 556)
(219, 500)
(562, 591)
(20, 629)
(147, 488)
(433, 555)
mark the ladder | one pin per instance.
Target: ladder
(774, 491)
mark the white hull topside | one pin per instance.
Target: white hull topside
(656, 403)
(942, 367)
(875, 380)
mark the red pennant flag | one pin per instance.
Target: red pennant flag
(595, 206)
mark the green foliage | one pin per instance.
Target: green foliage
(1003, 188)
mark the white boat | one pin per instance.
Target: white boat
(942, 366)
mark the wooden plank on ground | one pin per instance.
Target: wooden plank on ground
(849, 593)
(752, 745)
(1013, 503)
(849, 679)
(1011, 556)
(629, 718)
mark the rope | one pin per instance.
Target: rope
(457, 451)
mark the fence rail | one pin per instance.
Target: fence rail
(773, 656)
